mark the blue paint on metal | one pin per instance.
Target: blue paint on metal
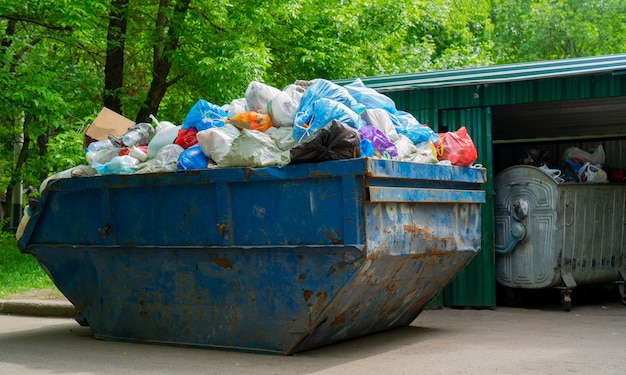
(272, 260)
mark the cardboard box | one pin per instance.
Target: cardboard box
(107, 122)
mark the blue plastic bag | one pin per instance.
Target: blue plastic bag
(370, 98)
(321, 88)
(192, 158)
(321, 113)
(407, 125)
(118, 165)
(204, 115)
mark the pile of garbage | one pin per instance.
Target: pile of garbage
(306, 122)
(575, 165)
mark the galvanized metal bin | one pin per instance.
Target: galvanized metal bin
(273, 260)
(550, 234)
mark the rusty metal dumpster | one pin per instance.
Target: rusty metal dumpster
(272, 260)
(557, 235)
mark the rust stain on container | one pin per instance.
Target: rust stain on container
(390, 288)
(224, 263)
(339, 319)
(302, 277)
(307, 295)
(332, 237)
(331, 271)
(416, 229)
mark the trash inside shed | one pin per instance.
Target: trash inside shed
(553, 234)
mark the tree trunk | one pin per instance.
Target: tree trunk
(16, 173)
(167, 43)
(114, 66)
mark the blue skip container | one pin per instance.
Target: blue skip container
(271, 260)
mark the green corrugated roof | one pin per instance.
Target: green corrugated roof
(609, 64)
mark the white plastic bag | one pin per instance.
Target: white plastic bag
(380, 119)
(577, 155)
(166, 160)
(406, 148)
(282, 137)
(254, 149)
(258, 95)
(425, 153)
(216, 142)
(282, 109)
(295, 91)
(77, 171)
(162, 138)
(592, 174)
(236, 106)
(124, 164)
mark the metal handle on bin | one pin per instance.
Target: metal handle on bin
(518, 233)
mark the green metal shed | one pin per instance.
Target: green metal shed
(507, 109)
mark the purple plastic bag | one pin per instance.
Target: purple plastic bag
(379, 140)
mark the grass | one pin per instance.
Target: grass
(19, 272)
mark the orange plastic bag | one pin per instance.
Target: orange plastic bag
(458, 148)
(252, 120)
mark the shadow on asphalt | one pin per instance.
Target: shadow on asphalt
(550, 298)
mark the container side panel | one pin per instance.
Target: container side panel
(594, 243)
(293, 212)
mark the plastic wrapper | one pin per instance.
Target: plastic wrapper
(334, 141)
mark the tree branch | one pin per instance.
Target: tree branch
(36, 22)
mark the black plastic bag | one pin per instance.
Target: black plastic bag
(334, 141)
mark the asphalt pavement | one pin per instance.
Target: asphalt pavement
(538, 338)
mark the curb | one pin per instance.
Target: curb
(61, 309)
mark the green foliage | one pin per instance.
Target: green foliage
(547, 29)
(18, 272)
(53, 52)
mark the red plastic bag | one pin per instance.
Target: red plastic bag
(186, 137)
(458, 148)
